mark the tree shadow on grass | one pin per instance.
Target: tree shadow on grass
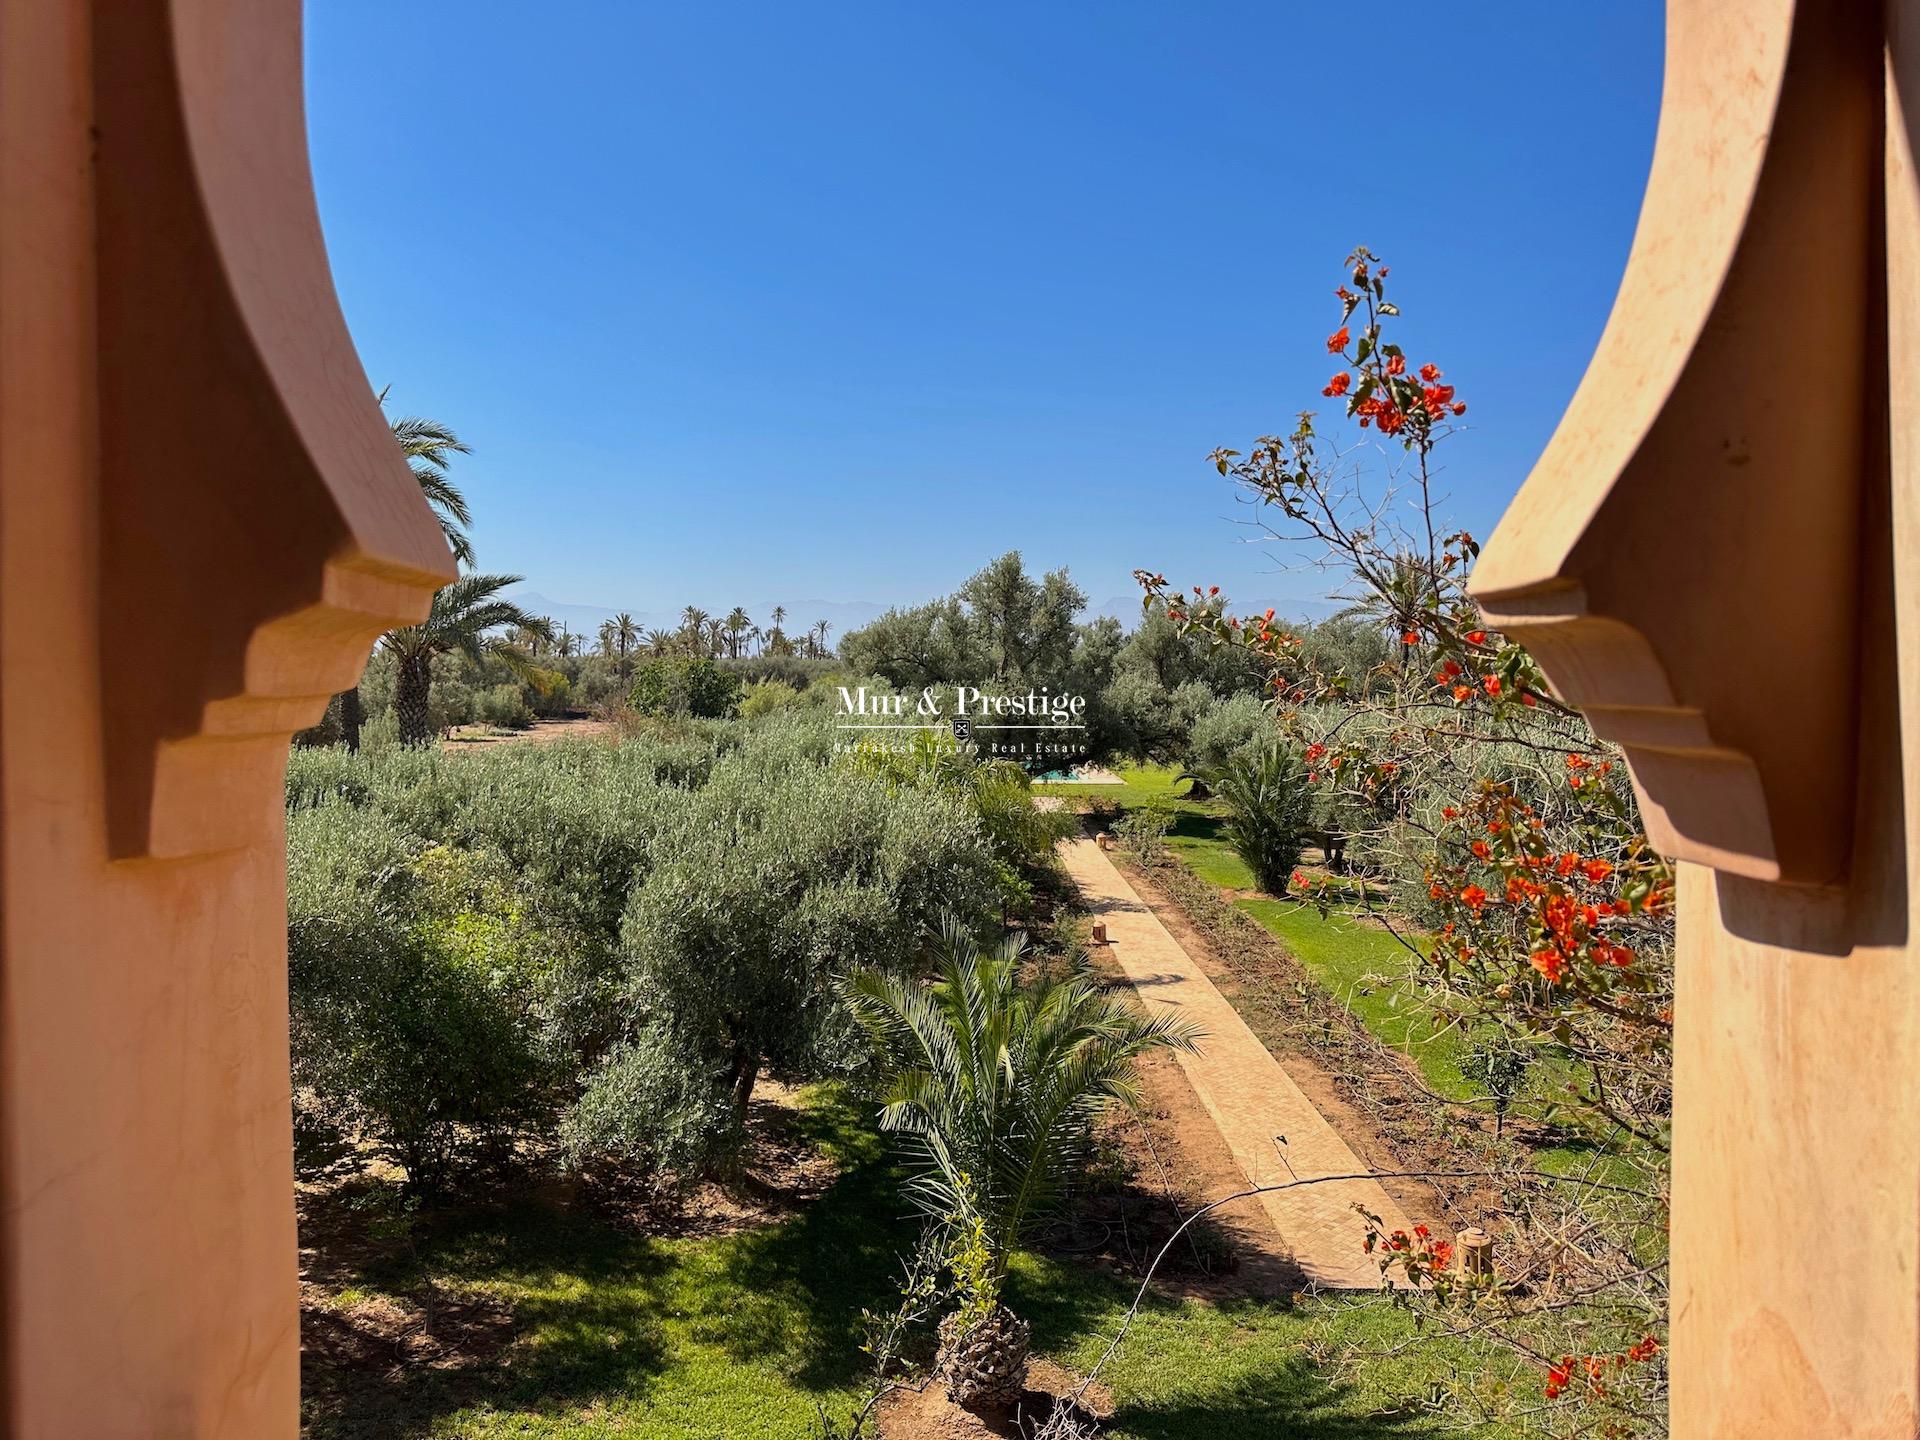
(1192, 825)
(597, 1312)
(1224, 1395)
(1290, 1400)
(579, 1300)
(800, 1288)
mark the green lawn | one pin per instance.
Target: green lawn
(742, 1337)
(1140, 785)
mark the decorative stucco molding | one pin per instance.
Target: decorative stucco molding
(258, 528)
(1684, 560)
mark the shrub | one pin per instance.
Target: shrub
(552, 694)
(685, 685)
(768, 697)
(410, 995)
(504, 706)
(1142, 833)
(1498, 1063)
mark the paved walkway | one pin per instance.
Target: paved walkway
(1250, 1097)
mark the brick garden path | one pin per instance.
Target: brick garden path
(1250, 1097)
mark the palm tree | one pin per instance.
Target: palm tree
(714, 634)
(463, 614)
(533, 639)
(818, 635)
(1399, 599)
(998, 1084)
(427, 446)
(738, 624)
(659, 642)
(1269, 808)
(625, 633)
(693, 621)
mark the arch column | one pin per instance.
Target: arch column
(1718, 559)
(203, 527)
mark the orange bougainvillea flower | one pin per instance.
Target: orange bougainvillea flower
(1410, 637)
(1339, 383)
(1479, 848)
(1550, 963)
(1429, 373)
(1397, 365)
(1475, 637)
(1491, 684)
(1463, 692)
(1473, 897)
(1596, 870)
(1338, 340)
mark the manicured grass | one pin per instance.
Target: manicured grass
(1196, 839)
(1140, 785)
(742, 1337)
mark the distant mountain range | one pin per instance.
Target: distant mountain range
(842, 615)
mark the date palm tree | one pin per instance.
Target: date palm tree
(428, 447)
(464, 617)
(693, 624)
(996, 1085)
(738, 624)
(818, 637)
(626, 633)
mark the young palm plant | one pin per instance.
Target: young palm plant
(464, 616)
(1269, 809)
(996, 1083)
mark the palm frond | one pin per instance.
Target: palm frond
(996, 1084)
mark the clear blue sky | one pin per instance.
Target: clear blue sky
(743, 302)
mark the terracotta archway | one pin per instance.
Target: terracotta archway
(202, 528)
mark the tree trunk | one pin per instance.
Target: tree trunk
(412, 691)
(351, 717)
(746, 1072)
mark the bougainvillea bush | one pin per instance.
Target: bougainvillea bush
(1501, 841)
